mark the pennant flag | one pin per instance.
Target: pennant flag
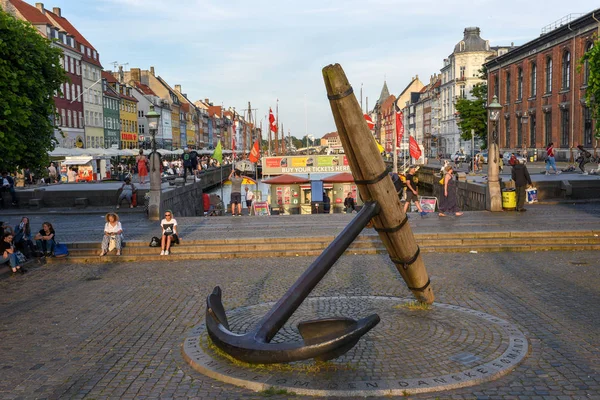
(272, 123)
(399, 129)
(254, 153)
(218, 154)
(415, 151)
(370, 123)
(380, 147)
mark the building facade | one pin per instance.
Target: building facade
(112, 124)
(91, 69)
(461, 71)
(542, 91)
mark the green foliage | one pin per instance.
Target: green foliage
(592, 93)
(30, 73)
(473, 114)
(276, 392)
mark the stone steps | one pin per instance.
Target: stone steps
(87, 252)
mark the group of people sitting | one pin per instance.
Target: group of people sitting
(19, 244)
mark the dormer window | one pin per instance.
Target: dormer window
(82, 48)
(95, 55)
(462, 46)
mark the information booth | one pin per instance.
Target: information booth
(285, 193)
(342, 184)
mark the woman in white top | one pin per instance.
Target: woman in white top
(112, 231)
(169, 228)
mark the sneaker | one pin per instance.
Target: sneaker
(558, 172)
(585, 173)
(162, 253)
(547, 173)
(166, 252)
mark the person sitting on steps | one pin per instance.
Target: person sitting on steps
(127, 190)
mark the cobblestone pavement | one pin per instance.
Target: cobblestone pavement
(539, 217)
(114, 331)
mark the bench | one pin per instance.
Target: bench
(81, 202)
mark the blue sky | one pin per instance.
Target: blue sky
(237, 51)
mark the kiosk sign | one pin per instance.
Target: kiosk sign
(304, 164)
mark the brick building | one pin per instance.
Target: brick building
(541, 82)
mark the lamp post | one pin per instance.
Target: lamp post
(524, 121)
(155, 180)
(494, 195)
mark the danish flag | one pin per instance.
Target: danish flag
(272, 121)
(370, 123)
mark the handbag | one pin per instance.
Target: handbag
(60, 250)
(20, 257)
(154, 242)
(112, 244)
(175, 239)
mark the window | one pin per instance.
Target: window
(548, 127)
(507, 87)
(533, 73)
(566, 70)
(80, 119)
(62, 117)
(587, 126)
(520, 132)
(586, 65)
(462, 71)
(71, 65)
(73, 92)
(97, 119)
(67, 91)
(69, 118)
(462, 92)
(564, 128)
(548, 75)
(87, 117)
(532, 128)
(79, 93)
(507, 130)
(520, 84)
(78, 67)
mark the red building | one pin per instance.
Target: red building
(388, 120)
(69, 104)
(542, 90)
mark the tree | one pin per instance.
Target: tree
(473, 113)
(30, 74)
(592, 93)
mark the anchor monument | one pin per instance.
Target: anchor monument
(325, 339)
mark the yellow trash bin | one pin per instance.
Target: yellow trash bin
(509, 199)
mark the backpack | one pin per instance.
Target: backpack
(154, 242)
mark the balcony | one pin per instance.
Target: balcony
(461, 79)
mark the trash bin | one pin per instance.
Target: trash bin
(509, 199)
(531, 159)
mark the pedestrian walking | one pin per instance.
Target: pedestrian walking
(412, 190)
(249, 200)
(520, 175)
(142, 166)
(236, 191)
(448, 203)
(550, 160)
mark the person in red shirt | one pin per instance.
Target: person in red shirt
(550, 160)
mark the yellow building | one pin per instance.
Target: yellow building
(129, 118)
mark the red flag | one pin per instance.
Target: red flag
(272, 121)
(254, 153)
(415, 151)
(399, 129)
(370, 123)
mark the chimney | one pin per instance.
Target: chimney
(206, 101)
(135, 74)
(178, 88)
(56, 10)
(40, 6)
(152, 71)
(121, 74)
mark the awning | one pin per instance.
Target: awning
(77, 161)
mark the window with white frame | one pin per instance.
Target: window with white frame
(80, 119)
(62, 117)
(566, 70)
(533, 76)
(548, 75)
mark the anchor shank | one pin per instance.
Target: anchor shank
(291, 300)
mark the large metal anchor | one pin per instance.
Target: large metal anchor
(323, 339)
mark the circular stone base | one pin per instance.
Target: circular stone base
(410, 351)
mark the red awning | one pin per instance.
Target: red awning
(344, 177)
(286, 180)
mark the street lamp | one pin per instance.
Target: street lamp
(155, 180)
(494, 195)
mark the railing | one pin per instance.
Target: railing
(558, 23)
